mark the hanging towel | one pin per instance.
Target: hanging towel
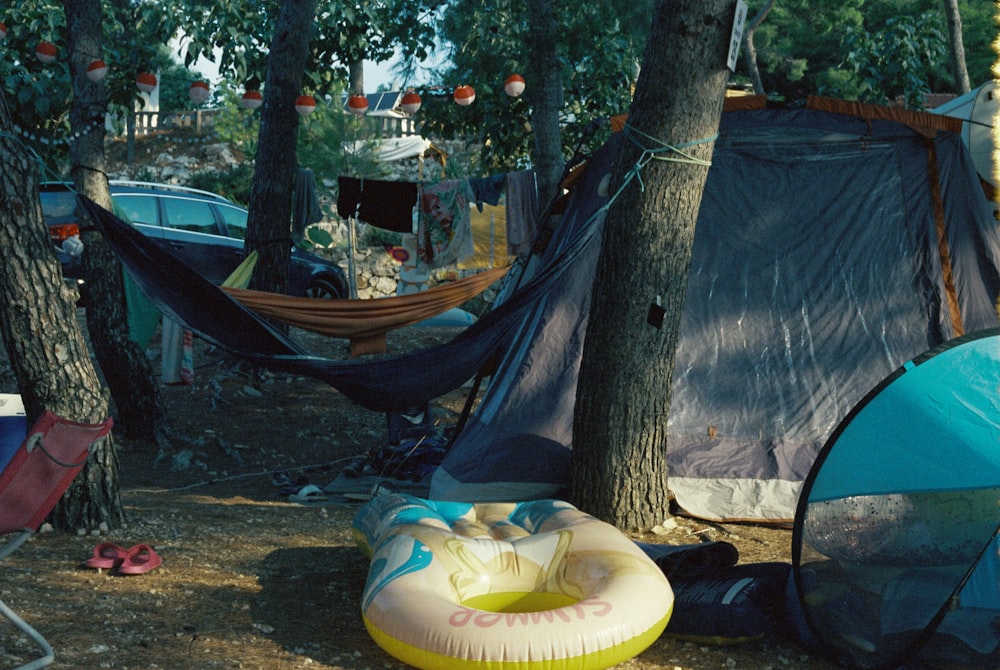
(522, 212)
(444, 229)
(348, 196)
(388, 204)
(487, 190)
(305, 209)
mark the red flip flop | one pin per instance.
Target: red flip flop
(139, 559)
(106, 555)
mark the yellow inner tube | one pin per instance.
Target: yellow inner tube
(522, 586)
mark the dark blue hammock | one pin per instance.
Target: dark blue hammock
(386, 384)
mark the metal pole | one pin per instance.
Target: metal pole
(352, 280)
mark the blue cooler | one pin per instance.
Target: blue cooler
(13, 426)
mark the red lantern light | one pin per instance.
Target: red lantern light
(252, 100)
(198, 92)
(46, 52)
(410, 103)
(357, 104)
(465, 95)
(514, 85)
(3, 30)
(305, 104)
(97, 70)
(146, 82)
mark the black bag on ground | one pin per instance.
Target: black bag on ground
(738, 604)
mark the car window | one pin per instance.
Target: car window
(192, 215)
(58, 203)
(137, 208)
(235, 220)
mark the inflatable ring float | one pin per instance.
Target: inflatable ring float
(535, 585)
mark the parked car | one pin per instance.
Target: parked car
(204, 229)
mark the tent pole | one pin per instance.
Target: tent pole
(352, 280)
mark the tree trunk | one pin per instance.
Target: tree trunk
(356, 77)
(619, 469)
(751, 51)
(269, 225)
(139, 401)
(955, 42)
(545, 76)
(42, 336)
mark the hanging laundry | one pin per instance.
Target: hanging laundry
(348, 196)
(388, 204)
(487, 190)
(522, 212)
(444, 231)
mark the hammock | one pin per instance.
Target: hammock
(364, 322)
(393, 383)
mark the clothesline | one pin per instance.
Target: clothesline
(443, 227)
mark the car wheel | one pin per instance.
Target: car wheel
(321, 288)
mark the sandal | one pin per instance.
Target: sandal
(106, 555)
(139, 559)
(308, 494)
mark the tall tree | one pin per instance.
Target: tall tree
(957, 46)
(800, 50)
(487, 40)
(57, 100)
(545, 73)
(619, 470)
(304, 48)
(42, 336)
(268, 228)
(751, 51)
(798, 47)
(139, 400)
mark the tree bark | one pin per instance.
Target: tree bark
(751, 50)
(957, 46)
(356, 77)
(619, 468)
(45, 346)
(545, 75)
(269, 225)
(139, 400)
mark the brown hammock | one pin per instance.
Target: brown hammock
(365, 322)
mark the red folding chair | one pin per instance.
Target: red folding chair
(40, 471)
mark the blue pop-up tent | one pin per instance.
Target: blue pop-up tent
(895, 545)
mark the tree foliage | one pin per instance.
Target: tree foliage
(237, 36)
(799, 51)
(895, 62)
(800, 47)
(485, 41)
(135, 35)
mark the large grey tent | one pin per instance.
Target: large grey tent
(834, 243)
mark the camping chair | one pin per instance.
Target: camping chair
(41, 470)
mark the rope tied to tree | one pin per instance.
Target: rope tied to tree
(659, 151)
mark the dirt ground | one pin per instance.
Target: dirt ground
(249, 579)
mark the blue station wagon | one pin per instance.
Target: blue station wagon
(204, 229)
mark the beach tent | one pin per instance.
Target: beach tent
(977, 109)
(834, 242)
(895, 547)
